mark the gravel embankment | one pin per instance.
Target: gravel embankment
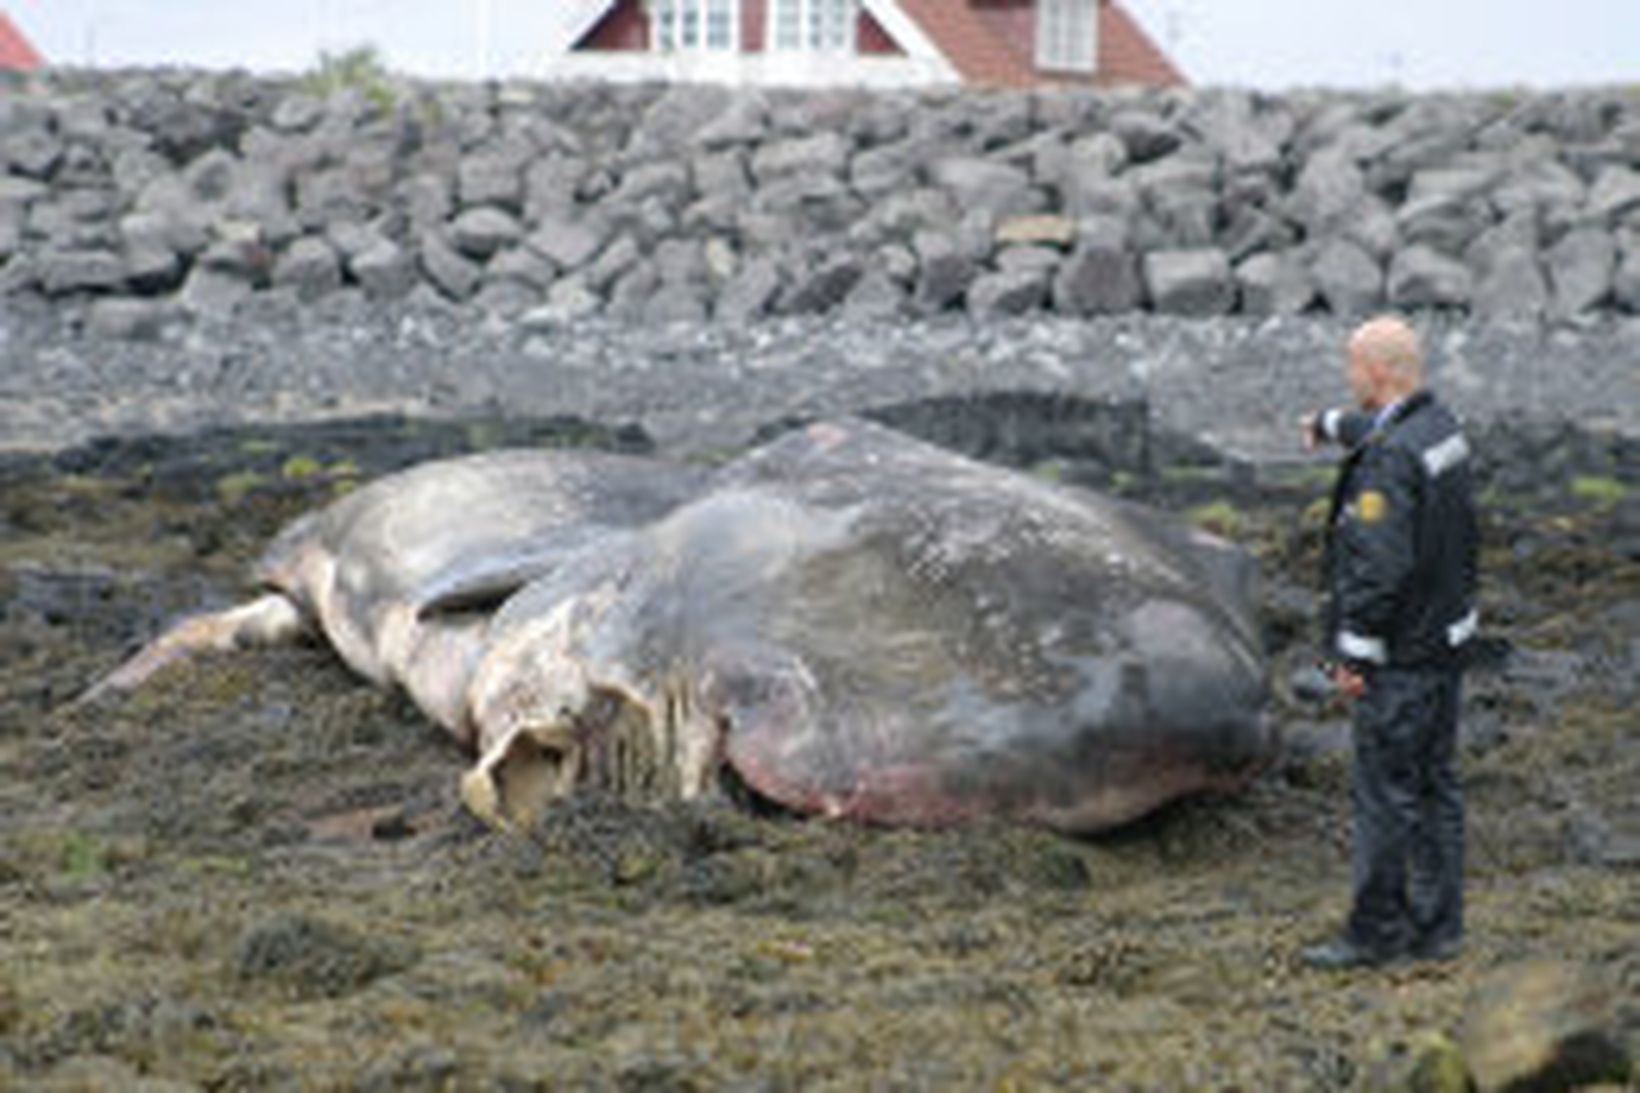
(1236, 383)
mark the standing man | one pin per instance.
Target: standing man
(1401, 568)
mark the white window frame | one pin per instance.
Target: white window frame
(822, 26)
(1067, 35)
(694, 26)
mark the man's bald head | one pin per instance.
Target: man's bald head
(1386, 362)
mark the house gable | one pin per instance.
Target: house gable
(625, 26)
(994, 42)
(16, 52)
(983, 42)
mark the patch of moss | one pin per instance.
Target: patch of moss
(82, 856)
(231, 489)
(1219, 517)
(1599, 489)
(299, 467)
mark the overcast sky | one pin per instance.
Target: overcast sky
(1269, 44)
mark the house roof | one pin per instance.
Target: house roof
(983, 56)
(15, 50)
(974, 45)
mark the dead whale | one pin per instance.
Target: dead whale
(862, 625)
(855, 623)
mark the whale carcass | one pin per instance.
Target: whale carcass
(854, 623)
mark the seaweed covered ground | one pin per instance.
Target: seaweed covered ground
(255, 874)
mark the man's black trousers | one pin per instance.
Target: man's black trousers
(1409, 827)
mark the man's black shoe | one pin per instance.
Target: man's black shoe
(1342, 954)
(1440, 951)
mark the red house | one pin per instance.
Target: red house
(880, 43)
(16, 53)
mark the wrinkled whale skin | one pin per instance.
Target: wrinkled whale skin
(862, 625)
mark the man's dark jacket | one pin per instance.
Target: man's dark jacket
(1401, 537)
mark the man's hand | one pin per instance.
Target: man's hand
(1351, 684)
(1311, 424)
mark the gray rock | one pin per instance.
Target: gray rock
(821, 288)
(1544, 1025)
(425, 199)
(456, 276)
(568, 300)
(1348, 279)
(1012, 292)
(875, 297)
(667, 180)
(62, 272)
(1512, 287)
(901, 215)
(569, 243)
(1022, 256)
(1448, 221)
(11, 229)
(676, 303)
(1145, 135)
(1274, 283)
(506, 298)
(1190, 282)
(551, 186)
(1329, 187)
(812, 203)
(1626, 284)
(1615, 194)
(297, 113)
(1537, 185)
(885, 170)
(944, 270)
(239, 249)
(1096, 195)
(128, 319)
(613, 263)
(383, 270)
(1099, 278)
(1580, 270)
(479, 233)
(1421, 276)
(1252, 230)
(981, 184)
(1248, 136)
(310, 266)
(213, 292)
(749, 293)
(491, 178)
(1187, 218)
(523, 265)
(34, 153)
(151, 269)
(674, 117)
(822, 154)
(722, 175)
(744, 121)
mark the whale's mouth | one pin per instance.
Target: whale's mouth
(616, 743)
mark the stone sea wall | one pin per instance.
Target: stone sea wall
(151, 196)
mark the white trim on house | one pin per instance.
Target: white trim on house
(910, 37)
(749, 69)
(575, 20)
